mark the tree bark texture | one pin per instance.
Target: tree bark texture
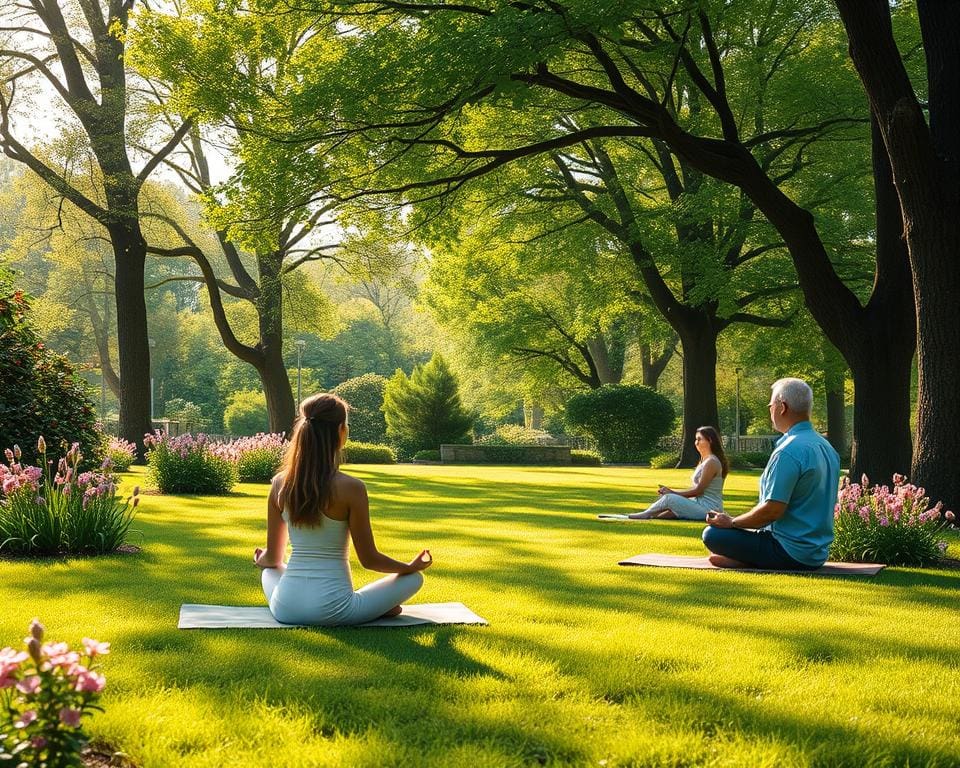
(926, 169)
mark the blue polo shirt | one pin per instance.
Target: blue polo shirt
(803, 472)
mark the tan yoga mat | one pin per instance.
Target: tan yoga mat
(702, 563)
(194, 616)
(625, 518)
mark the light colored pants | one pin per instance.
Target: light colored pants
(684, 508)
(323, 601)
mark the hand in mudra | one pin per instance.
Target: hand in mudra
(420, 562)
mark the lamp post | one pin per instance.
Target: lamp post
(738, 371)
(300, 345)
(151, 343)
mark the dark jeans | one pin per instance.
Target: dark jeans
(755, 548)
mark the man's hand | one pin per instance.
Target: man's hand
(719, 519)
(663, 490)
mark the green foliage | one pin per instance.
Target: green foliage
(585, 458)
(426, 456)
(365, 396)
(258, 465)
(749, 459)
(246, 413)
(368, 453)
(626, 420)
(186, 464)
(513, 434)
(188, 414)
(424, 410)
(40, 391)
(665, 460)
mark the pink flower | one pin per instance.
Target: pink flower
(949, 516)
(91, 682)
(41, 445)
(70, 717)
(29, 684)
(25, 719)
(54, 649)
(38, 742)
(17, 453)
(95, 648)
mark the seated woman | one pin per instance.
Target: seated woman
(705, 494)
(316, 505)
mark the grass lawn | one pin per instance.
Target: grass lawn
(584, 662)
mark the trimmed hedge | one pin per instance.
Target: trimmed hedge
(426, 456)
(368, 453)
(585, 458)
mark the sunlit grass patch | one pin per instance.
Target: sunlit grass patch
(584, 662)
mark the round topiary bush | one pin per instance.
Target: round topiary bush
(246, 413)
(625, 420)
(585, 458)
(365, 396)
(40, 392)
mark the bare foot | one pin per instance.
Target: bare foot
(721, 561)
(395, 611)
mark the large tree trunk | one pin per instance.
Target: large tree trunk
(699, 342)
(607, 371)
(836, 412)
(653, 365)
(130, 251)
(926, 169)
(281, 408)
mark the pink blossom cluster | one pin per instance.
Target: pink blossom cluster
(120, 445)
(233, 450)
(182, 445)
(47, 689)
(903, 505)
(14, 476)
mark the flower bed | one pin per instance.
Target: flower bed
(187, 464)
(256, 458)
(888, 525)
(72, 512)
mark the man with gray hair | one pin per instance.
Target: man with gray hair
(792, 526)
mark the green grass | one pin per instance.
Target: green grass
(584, 662)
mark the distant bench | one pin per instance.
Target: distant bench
(505, 454)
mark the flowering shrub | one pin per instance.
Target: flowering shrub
(256, 458)
(45, 691)
(187, 464)
(121, 453)
(895, 526)
(72, 512)
(40, 391)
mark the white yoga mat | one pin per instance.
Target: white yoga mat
(259, 617)
(702, 563)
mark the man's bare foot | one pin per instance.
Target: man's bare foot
(721, 561)
(395, 611)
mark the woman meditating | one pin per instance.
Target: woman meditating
(705, 494)
(316, 505)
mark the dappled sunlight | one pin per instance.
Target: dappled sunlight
(682, 666)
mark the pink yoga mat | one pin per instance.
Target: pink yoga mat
(702, 563)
